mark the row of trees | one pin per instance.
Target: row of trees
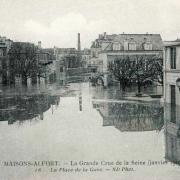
(22, 61)
(137, 68)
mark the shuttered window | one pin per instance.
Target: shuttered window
(173, 57)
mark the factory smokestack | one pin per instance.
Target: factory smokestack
(79, 43)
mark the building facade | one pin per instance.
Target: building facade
(86, 58)
(97, 47)
(67, 61)
(172, 99)
(111, 47)
(171, 72)
(5, 45)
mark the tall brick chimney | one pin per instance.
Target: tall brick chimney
(79, 43)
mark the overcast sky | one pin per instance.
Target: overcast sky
(57, 22)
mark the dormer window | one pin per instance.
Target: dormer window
(147, 46)
(132, 46)
(116, 46)
(125, 45)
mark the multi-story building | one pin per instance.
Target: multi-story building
(97, 47)
(172, 99)
(67, 62)
(171, 72)
(45, 55)
(109, 47)
(86, 57)
(46, 59)
(5, 45)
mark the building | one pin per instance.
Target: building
(172, 136)
(171, 72)
(86, 58)
(45, 55)
(108, 47)
(172, 99)
(5, 45)
(46, 59)
(97, 47)
(68, 61)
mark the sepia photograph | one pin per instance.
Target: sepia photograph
(89, 90)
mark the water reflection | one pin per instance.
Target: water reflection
(114, 92)
(131, 116)
(172, 133)
(25, 107)
(124, 115)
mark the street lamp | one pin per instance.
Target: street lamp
(178, 83)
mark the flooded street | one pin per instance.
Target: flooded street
(79, 122)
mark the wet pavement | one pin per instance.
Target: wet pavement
(83, 123)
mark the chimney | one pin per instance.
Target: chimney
(39, 44)
(104, 35)
(79, 43)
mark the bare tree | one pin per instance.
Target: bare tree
(23, 60)
(4, 69)
(146, 68)
(136, 68)
(159, 69)
(122, 69)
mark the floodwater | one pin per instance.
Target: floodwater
(78, 122)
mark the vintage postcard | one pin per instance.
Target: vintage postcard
(89, 90)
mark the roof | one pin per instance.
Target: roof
(104, 38)
(66, 51)
(172, 43)
(110, 37)
(140, 39)
(48, 50)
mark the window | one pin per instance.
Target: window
(93, 54)
(61, 69)
(116, 46)
(173, 57)
(147, 46)
(173, 103)
(125, 45)
(132, 46)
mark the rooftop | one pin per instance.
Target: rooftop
(139, 39)
(172, 43)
